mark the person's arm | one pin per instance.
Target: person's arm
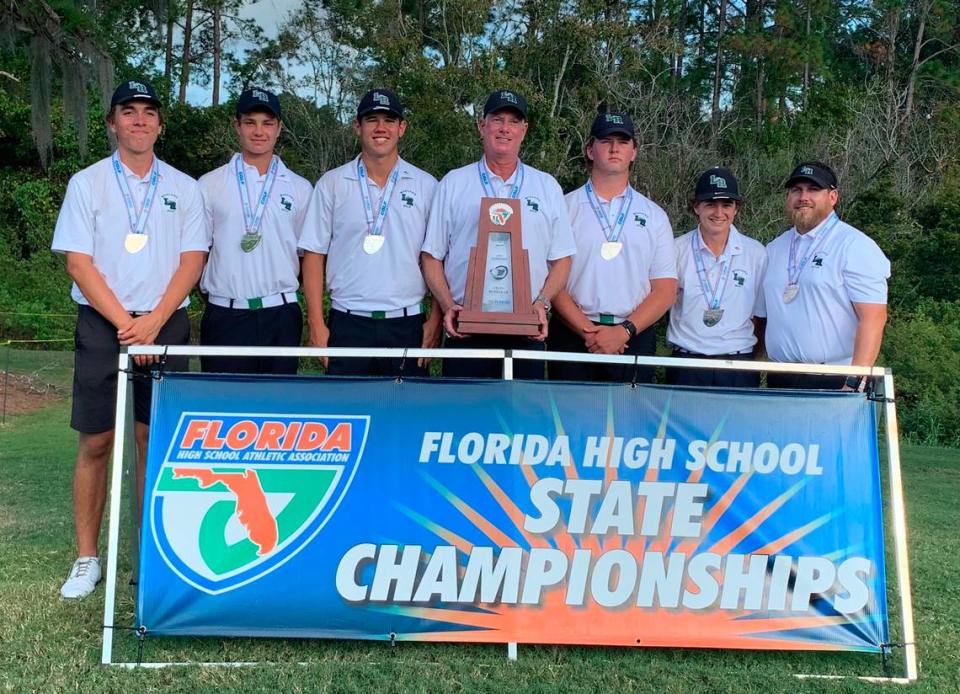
(437, 283)
(554, 283)
(759, 331)
(612, 339)
(869, 335)
(569, 312)
(313, 267)
(94, 288)
(432, 330)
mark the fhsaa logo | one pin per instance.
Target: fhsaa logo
(381, 99)
(718, 181)
(499, 213)
(237, 496)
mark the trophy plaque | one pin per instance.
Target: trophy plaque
(497, 297)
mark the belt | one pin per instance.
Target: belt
(714, 356)
(605, 319)
(414, 310)
(255, 303)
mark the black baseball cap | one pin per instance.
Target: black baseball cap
(815, 172)
(503, 99)
(129, 90)
(380, 100)
(611, 123)
(717, 183)
(257, 98)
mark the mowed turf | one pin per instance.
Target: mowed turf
(50, 645)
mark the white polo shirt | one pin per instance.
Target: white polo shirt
(617, 286)
(452, 229)
(742, 300)
(273, 266)
(336, 225)
(819, 325)
(93, 220)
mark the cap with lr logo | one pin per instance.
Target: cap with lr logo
(381, 99)
(718, 181)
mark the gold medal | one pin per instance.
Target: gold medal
(372, 243)
(610, 249)
(134, 243)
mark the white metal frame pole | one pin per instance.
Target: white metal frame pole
(508, 376)
(898, 510)
(116, 486)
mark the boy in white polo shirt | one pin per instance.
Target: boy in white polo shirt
(624, 275)
(825, 287)
(452, 232)
(131, 229)
(720, 274)
(255, 207)
(362, 235)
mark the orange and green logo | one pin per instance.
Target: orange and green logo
(237, 496)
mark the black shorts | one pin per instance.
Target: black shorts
(280, 326)
(95, 370)
(714, 378)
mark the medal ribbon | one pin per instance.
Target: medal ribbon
(137, 221)
(254, 219)
(375, 227)
(713, 295)
(488, 186)
(611, 232)
(793, 268)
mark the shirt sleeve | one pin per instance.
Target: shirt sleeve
(760, 302)
(317, 228)
(664, 262)
(208, 195)
(679, 245)
(75, 223)
(436, 241)
(562, 244)
(865, 271)
(194, 233)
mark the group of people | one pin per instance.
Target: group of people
(377, 233)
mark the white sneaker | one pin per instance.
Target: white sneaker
(83, 578)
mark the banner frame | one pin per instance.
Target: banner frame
(881, 375)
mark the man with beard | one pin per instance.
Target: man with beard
(825, 287)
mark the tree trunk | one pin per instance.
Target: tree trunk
(168, 53)
(217, 54)
(718, 63)
(185, 60)
(915, 65)
(806, 63)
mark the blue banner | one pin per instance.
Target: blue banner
(499, 511)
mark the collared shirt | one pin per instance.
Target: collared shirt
(93, 220)
(452, 229)
(617, 286)
(272, 266)
(336, 225)
(819, 325)
(742, 300)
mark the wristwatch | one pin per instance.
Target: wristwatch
(854, 383)
(630, 328)
(543, 300)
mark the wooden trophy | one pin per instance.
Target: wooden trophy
(497, 297)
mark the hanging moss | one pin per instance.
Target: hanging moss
(40, 78)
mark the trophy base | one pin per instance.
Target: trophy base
(494, 323)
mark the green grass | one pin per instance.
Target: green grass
(50, 645)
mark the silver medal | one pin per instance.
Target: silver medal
(712, 316)
(249, 241)
(610, 249)
(372, 243)
(134, 243)
(790, 293)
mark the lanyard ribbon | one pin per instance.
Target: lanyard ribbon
(254, 219)
(137, 221)
(713, 295)
(375, 227)
(611, 232)
(793, 268)
(488, 186)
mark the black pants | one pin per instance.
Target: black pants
(524, 369)
(279, 326)
(562, 339)
(716, 378)
(95, 370)
(805, 381)
(349, 330)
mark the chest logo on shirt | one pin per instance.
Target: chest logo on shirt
(286, 202)
(169, 201)
(640, 219)
(532, 203)
(818, 259)
(499, 213)
(739, 277)
(407, 198)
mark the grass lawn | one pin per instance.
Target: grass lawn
(50, 645)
